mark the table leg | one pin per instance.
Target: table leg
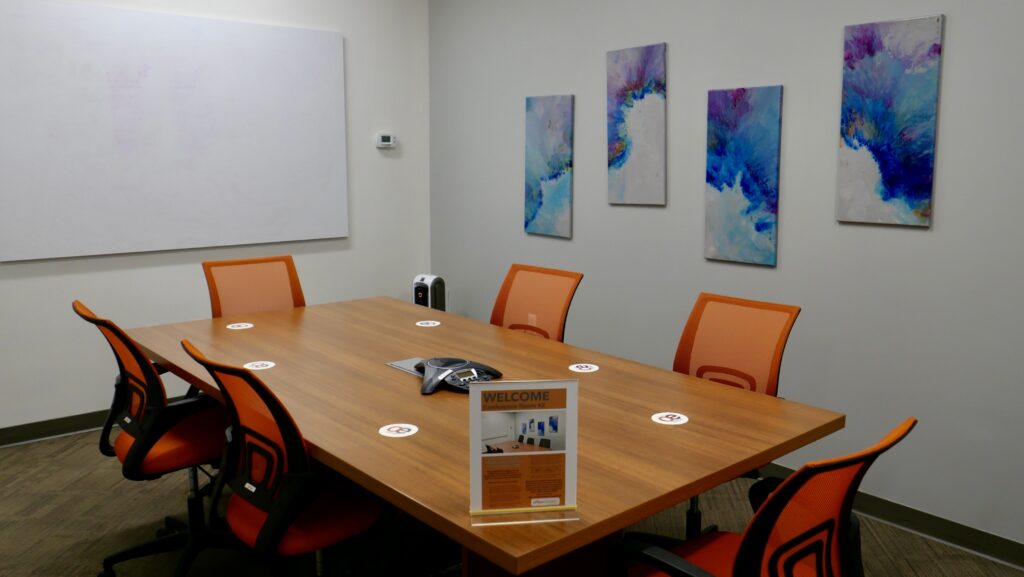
(597, 559)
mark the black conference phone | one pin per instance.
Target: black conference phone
(456, 373)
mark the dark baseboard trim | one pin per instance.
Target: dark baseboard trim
(929, 525)
(51, 428)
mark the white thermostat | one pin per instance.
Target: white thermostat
(386, 140)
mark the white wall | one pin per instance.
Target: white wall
(895, 322)
(52, 364)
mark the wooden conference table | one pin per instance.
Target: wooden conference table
(331, 373)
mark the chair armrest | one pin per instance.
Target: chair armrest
(160, 369)
(189, 402)
(758, 493)
(106, 447)
(663, 541)
(663, 559)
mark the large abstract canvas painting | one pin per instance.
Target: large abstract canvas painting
(742, 175)
(636, 125)
(887, 131)
(549, 123)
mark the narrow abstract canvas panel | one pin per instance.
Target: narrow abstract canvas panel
(549, 123)
(742, 175)
(636, 125)
(887, 131)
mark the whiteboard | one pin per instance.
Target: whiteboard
(129, 131)
(495, 426)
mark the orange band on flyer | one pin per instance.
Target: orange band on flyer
(524, 400)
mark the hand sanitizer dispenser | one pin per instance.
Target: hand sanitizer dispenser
(428, 290)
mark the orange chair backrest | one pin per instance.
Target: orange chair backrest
(535, 300)
(800, 529)
(253, 285)
(140, 390)
(735, 341)
(265, 444)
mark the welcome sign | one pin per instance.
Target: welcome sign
(523, 447)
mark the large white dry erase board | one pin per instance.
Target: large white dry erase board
(128, 131)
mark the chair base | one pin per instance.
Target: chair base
(159, 545)
(171, 526)
(173, 535)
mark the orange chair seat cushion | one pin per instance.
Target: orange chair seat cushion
(713, 552)
(195, 440)
(332, 517)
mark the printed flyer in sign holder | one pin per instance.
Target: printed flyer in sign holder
(523, 451)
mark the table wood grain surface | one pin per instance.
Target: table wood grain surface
(331, 372)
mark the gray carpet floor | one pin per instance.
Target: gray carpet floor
(63, 507)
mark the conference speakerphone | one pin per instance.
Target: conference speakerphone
(456, 373)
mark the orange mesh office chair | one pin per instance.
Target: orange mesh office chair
(535, 300)
(799, 531)
(736, 342)
(278, 506)
(253, 285)
(156, 437)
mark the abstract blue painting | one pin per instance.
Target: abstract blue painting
(636, 125)
(742, 174)
(549, 121)
(888, 119)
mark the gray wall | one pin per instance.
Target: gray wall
(52, 364)
(895, 322)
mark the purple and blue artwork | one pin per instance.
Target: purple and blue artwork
(636, 125)
(553, 423)
(523, 431)
(742, 175)
(549, 127)
(540, 428)
(887, 130)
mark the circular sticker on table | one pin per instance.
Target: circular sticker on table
(669, 418)
(428, 324)
(240, 326)
(398, 430)
(584, 368)
(259, 365)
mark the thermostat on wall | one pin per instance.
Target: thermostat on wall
(386, 140)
